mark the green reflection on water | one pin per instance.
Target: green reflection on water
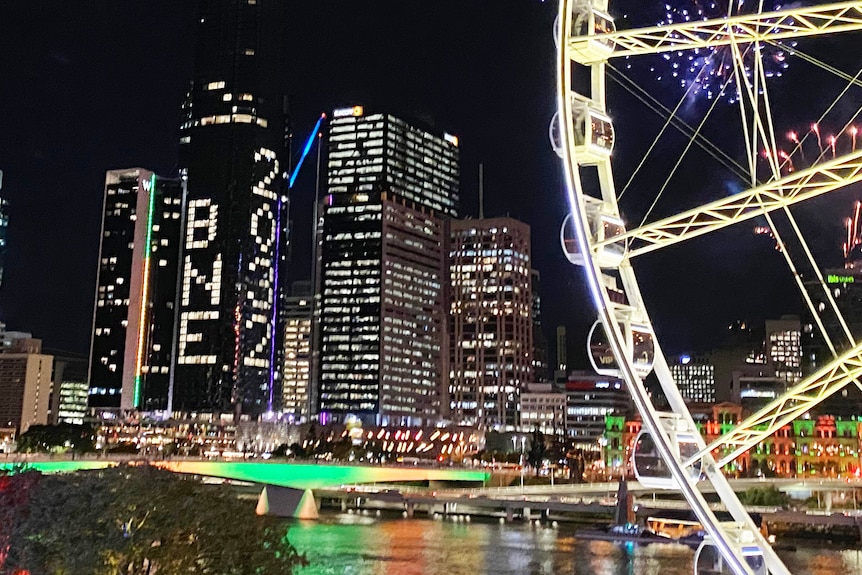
(367, 545)
(389, 545)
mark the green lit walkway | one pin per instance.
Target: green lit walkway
(299, 475)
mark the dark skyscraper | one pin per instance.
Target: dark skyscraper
(540, 342)
(381, 278)
(134, 316)
(4, 225)
(234, 248)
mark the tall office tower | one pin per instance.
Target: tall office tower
(234, 252)
(70, 391)
(561, 349)
(540, 342)
(845, 287)
(4, 226)
(491, 324)
(132, 340)
(380, 331)
(784, 348)
(297, 352)
(695, 377)
(25, 385)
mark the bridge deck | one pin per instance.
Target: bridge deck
(299, 475)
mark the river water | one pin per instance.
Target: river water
(345, 544)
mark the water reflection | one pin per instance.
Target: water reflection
(344, 544)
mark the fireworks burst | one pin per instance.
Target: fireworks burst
(813, 146)
(708, 72)
(854, 237)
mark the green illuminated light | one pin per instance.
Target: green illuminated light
(58, 466)
(284, 474)
(317, 476)
(836, 279)
(145, 289)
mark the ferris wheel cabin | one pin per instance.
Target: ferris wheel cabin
(709, 561)
(640, 344)
(647, 463)
(593, 131)
(589, 26)
(603, 225)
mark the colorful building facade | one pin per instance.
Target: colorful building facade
(822, 446)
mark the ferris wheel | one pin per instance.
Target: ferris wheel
(670, 452)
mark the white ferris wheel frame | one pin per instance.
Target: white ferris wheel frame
(734, 540)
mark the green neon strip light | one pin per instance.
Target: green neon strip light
(302, 476)
(306, 476)
(58, 466)
(145, 291)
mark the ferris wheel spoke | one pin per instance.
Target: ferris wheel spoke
(800, 284)
(764, 26)
(797, 401)
(759, 131)
(794, 188)
(819, 284)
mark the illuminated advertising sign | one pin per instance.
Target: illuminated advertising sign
(355, 111)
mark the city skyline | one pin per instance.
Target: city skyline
(421, 315)
(51, 160)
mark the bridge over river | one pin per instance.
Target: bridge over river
(296, 475)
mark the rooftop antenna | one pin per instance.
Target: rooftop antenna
(481, 191)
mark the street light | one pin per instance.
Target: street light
(523, 444)
(523, 439)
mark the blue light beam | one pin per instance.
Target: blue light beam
(308, 144)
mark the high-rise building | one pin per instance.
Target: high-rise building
(694, 376)
(71, 390)
(133, 316)
(784, 348)
(232, 143)
(837, 317)
(4, 226)
(562, 361)
(491, 323)
(380, 331)
(540, 342)
(845, 286)
(25, 385)
(296, 364)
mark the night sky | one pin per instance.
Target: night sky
(94, 85)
